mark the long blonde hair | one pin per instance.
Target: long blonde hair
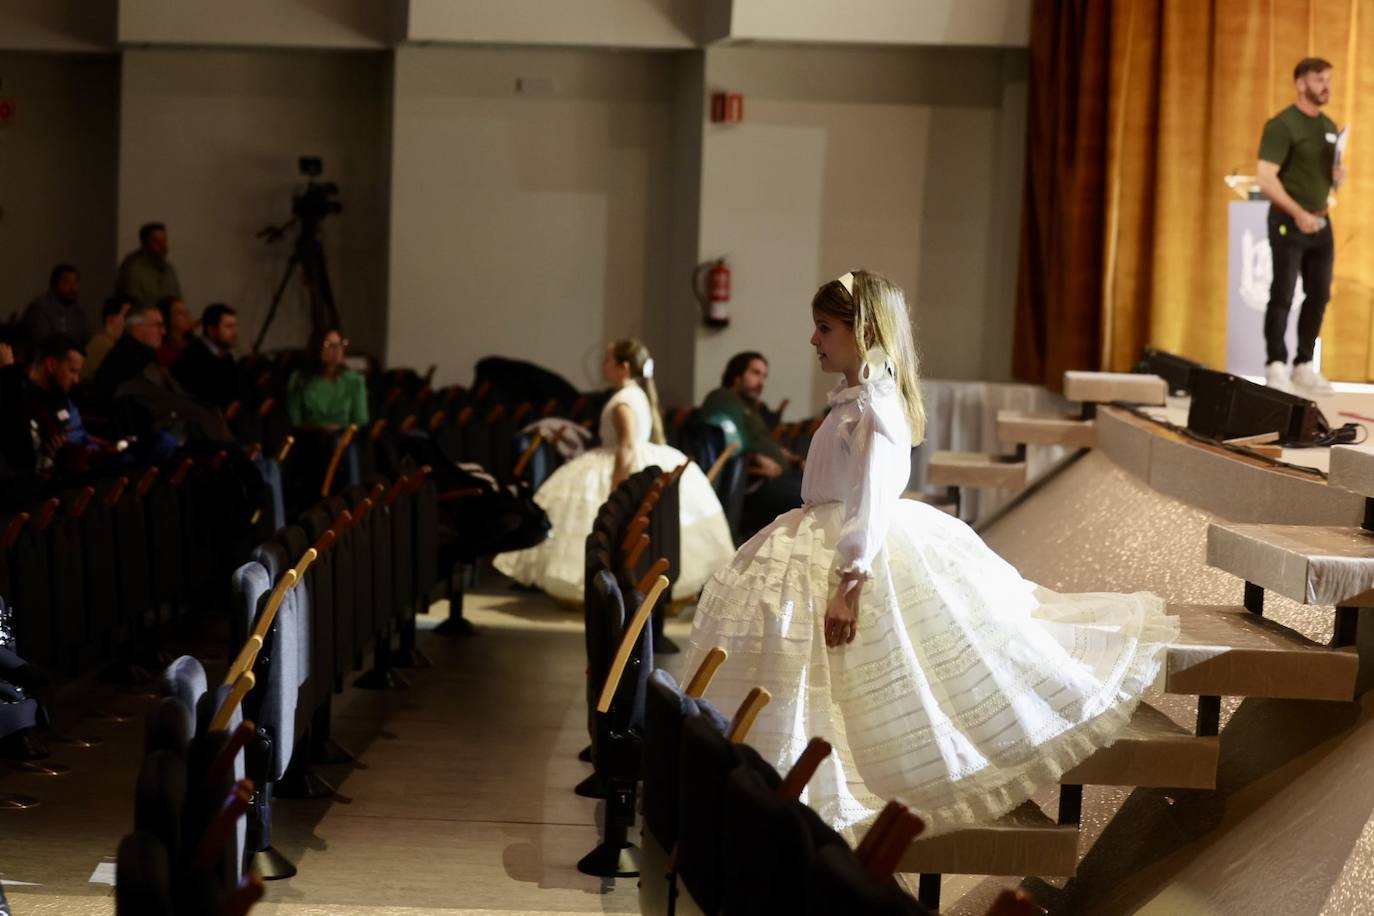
(634, 354)
(878, 314)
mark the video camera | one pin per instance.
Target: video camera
(317, 200)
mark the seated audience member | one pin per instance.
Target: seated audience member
(145, 275)
(774, 472)
(43, 433)
(326, 392)
(131, 373)
(179, 324)
(206, 368)
(100, 344)
(56, 311)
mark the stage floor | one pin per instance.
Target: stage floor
(1353, 402)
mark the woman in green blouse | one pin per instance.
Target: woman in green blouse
(326, 393)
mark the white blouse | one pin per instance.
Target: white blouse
(638, 402)
(861, 457)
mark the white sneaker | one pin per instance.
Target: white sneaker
(1276, 376)
(1311, 382)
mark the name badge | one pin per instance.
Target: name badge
(1330, 138)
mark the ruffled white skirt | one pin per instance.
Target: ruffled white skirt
(966, 689)
(574, 493)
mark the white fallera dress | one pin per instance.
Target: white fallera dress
(574, 493)
(967, 687)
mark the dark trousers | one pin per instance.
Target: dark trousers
(1297, 254)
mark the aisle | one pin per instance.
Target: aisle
(463, 805)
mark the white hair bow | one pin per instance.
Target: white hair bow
(648, 370)
(847, 281)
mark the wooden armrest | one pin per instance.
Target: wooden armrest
(343, 523)
(527, 455)
(222, 767)
(242, 685)
(522, 411)
(419, 476)
(397, 488)
(310, 556)
(378, 427)
(233, 409)
(465, 416)
(906, 826)
(696, 687)
(179, 475)
(82, 502)
(632, 559)
(362, 509)
(436, 420)
(746, 714)
(646, 582)
(340, 447)
(451, 496)
(266, 406)
(285, 449)
(679, 471)
(407, 424)
(1013, 902)
(651, 498)
(145, 483)
(245, 659)
(495, 414)
(817, 749)
(482, 390)
(44, 516)
(377, 492)
(627, 644)
(221, 827)
(13, 529)
(550, 408)
(253, 450)
(637, 527)
(325, 541)
(720, 461)
(871, 839)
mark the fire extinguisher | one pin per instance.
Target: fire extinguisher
(713, 293)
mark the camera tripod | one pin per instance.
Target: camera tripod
(308, 254)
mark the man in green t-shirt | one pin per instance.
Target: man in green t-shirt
(1297, 168)
(774, 473)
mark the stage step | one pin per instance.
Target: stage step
(1352, 469)
(1230, 652)
(1015, 427)
(939, 502)
(1105, 387)
(1023, 842)
(1309, 564)
(1153, 751)
(975, 469)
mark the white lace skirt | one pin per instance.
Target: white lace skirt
(573, 495)
(966, 689)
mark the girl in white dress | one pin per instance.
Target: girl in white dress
(890, 629)
(631, 440)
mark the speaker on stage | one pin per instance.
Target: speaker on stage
(1227, 406)
(1175, 370)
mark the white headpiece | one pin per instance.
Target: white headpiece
(648, 370)
(847, 281)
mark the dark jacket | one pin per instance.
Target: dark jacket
(212, 377)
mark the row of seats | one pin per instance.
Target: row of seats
(722, 831)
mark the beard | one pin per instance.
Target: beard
(1316, 96)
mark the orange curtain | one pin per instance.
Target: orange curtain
(1186, 86)
(1059, 282)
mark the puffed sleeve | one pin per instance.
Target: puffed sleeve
(873, 451)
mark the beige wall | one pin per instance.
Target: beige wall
(57, 25)
(58, 174)
(533, 226)
(980, 23)
(904, 161)
(600, 23)
(209, 145)
(260, 23)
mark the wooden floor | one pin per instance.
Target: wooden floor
(463, 803)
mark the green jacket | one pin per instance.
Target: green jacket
(753, 434)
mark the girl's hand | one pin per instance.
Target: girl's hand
(842, 614)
